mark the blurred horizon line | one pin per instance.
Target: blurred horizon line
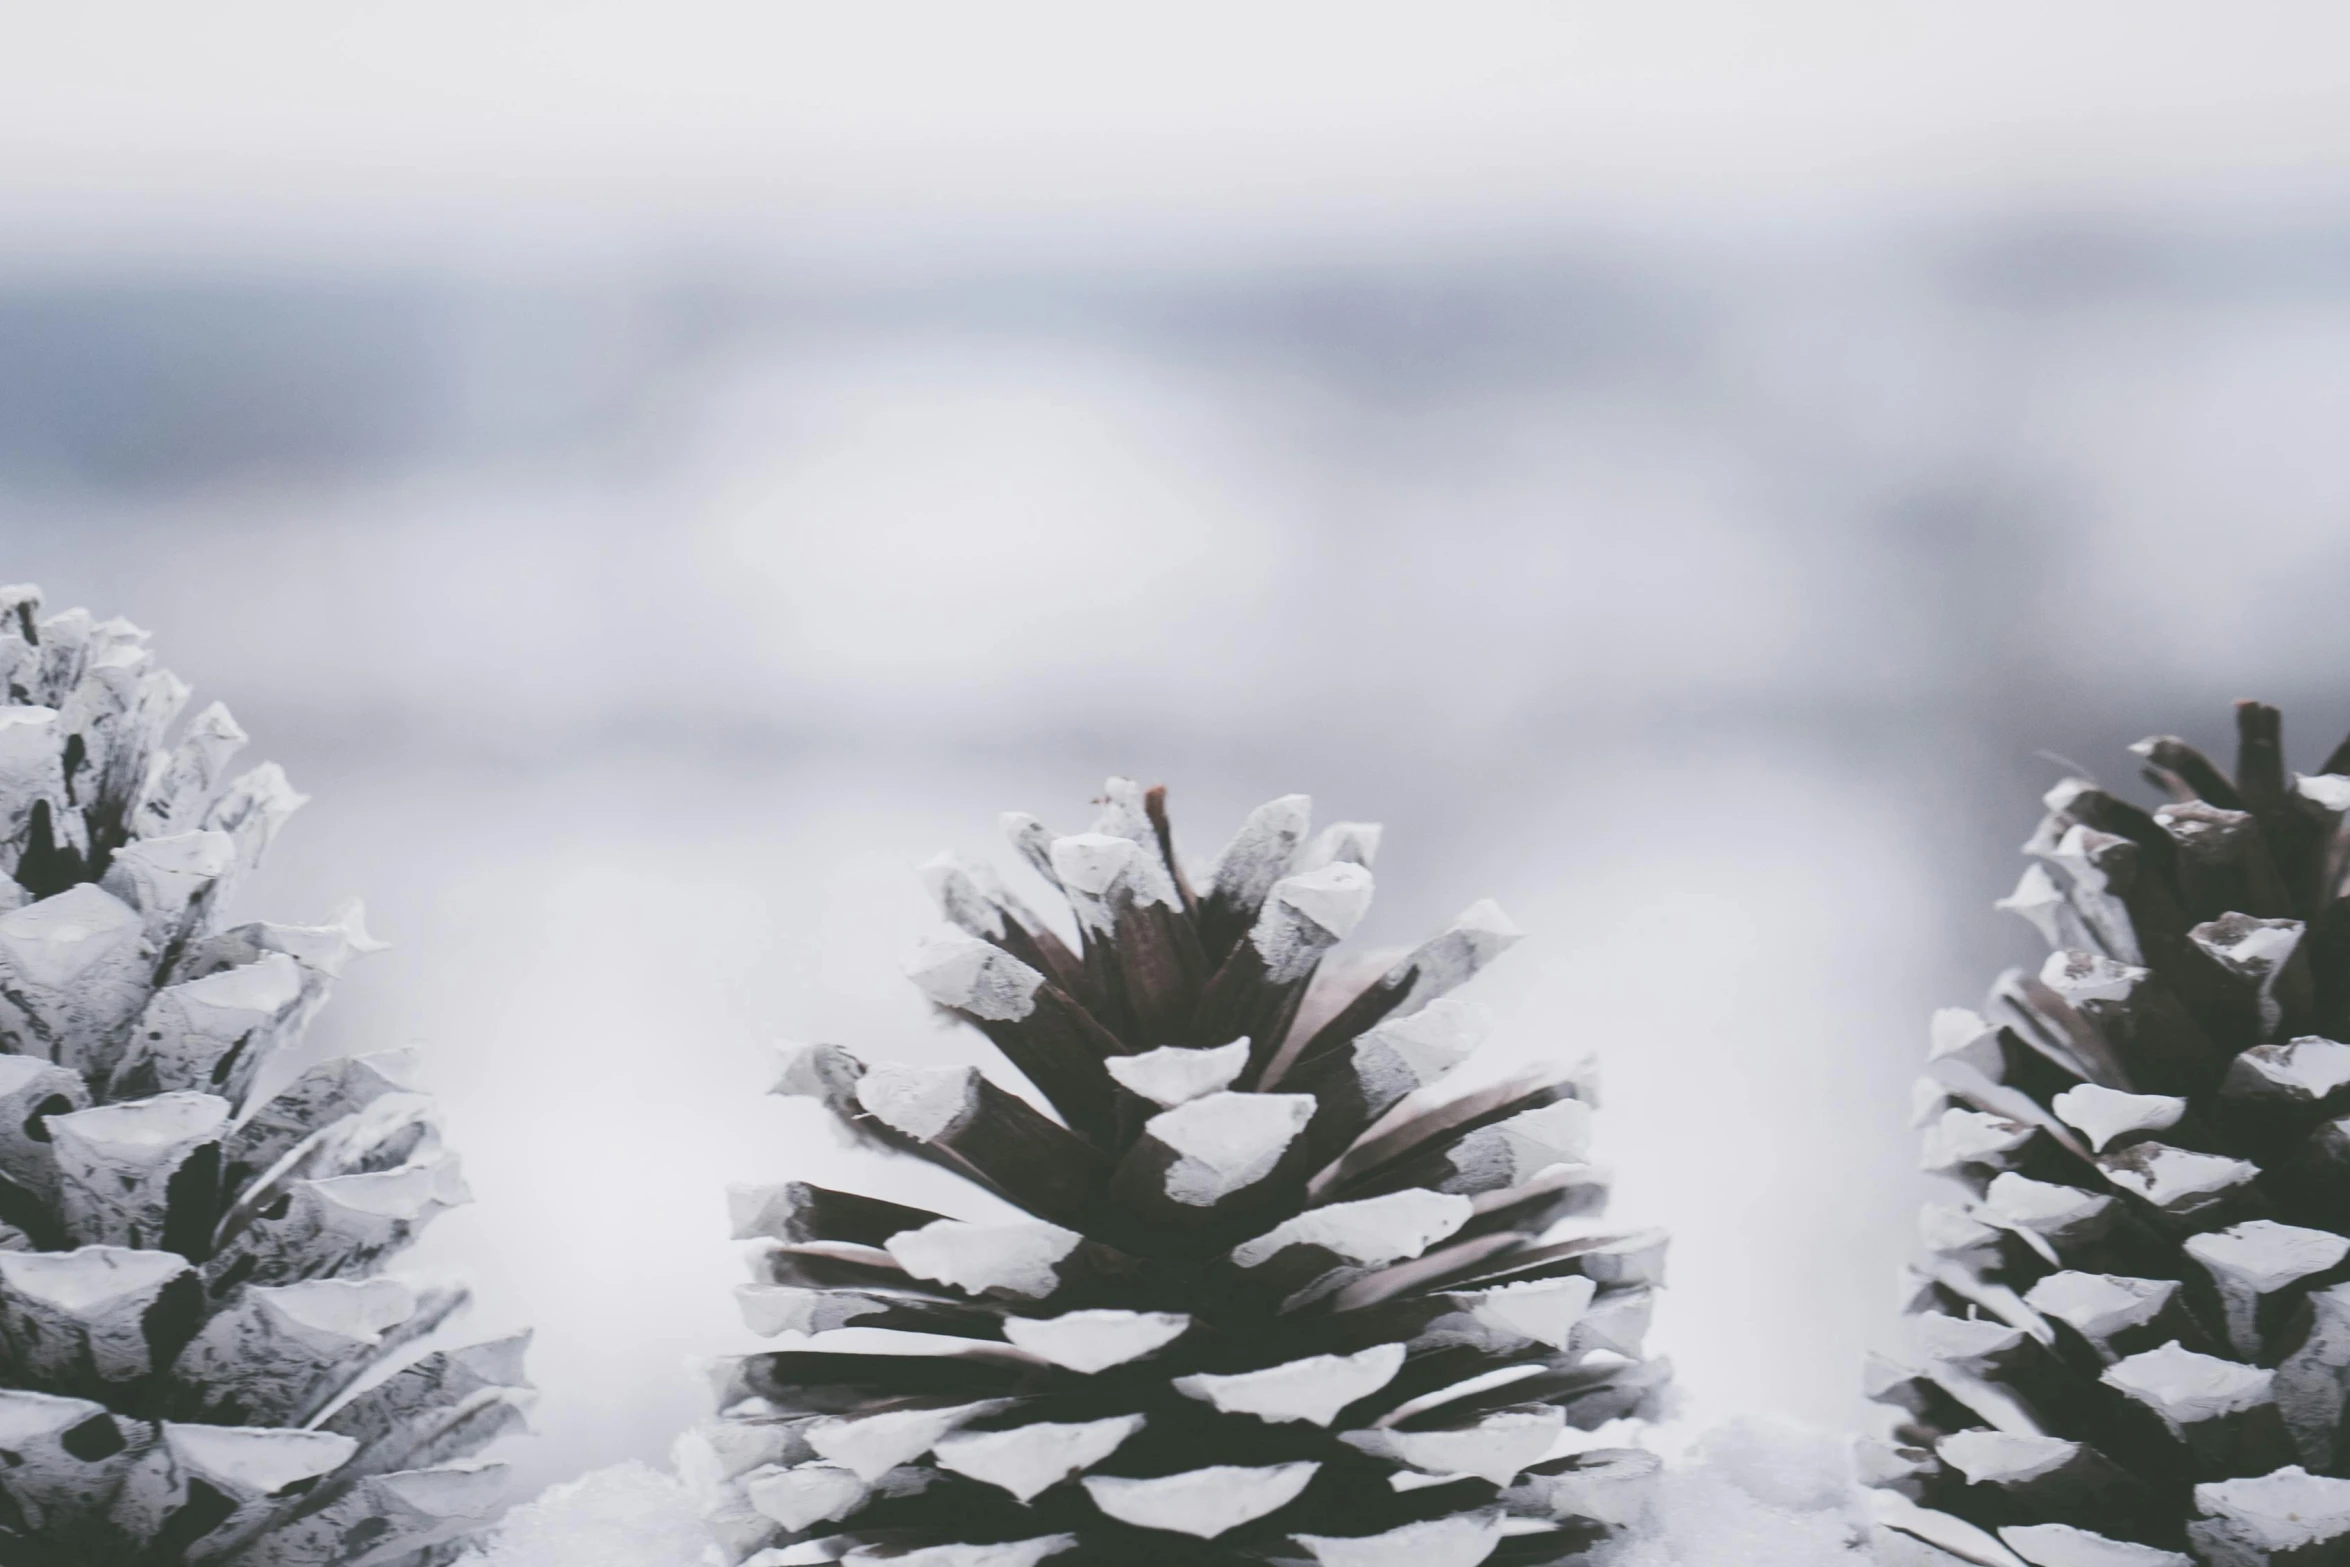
(548, 236)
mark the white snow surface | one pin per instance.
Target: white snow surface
(630, 1515)
(1752, 1493)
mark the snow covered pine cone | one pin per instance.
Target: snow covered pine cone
(188, 1244)
(1269, 1308)
(2136, 1326)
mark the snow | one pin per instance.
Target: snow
(1752, 1493)
(1314, 1389)
(630, 1515)
(1176, 1074)
(1227, 1142)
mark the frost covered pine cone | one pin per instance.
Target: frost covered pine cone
(1268, 1307)
(189, 1244)
(2132, 1337)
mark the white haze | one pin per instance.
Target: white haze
(657, 474)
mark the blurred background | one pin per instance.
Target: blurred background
(657, 473)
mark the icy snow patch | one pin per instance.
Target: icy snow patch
(1751, 1493)
(631, 1515)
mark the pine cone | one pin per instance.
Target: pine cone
(2135, 1326)
(1267, 1306)
(189, 1247)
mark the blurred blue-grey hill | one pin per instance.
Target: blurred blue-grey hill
(654, 474)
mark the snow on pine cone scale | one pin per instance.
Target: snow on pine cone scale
(199, 1360)
(1268, 1307)
(2133, 1335)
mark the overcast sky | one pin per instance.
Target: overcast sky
(446, 120)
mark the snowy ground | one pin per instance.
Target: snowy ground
(1751, 1493)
